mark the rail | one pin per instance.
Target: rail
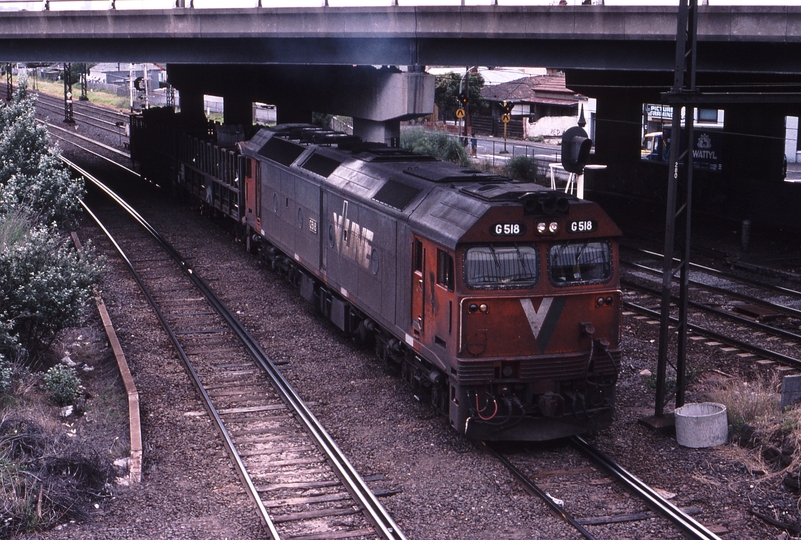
(383, 521)
(690, 527)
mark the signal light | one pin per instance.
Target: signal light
(462, 98)
(576, 145)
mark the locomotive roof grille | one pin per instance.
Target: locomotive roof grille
(536, 199)
(281, 150)
(386, 154)
(443, 172)
(294, 131)
(328, 137)
(396, 195)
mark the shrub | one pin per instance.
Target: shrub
(62, 384)
(44, 285)
(522, 168)
(436, 144)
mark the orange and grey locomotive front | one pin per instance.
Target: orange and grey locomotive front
(531, 288)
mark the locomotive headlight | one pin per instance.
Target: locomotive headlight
(541, 227)
(508, 371)
(553, 227)
(472, 308)
(599, 302)
(483, 308)
(609, 300)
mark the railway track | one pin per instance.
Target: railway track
(300, 483)
(749, 317)
(600, 504)
(603, 477)
(86, 114)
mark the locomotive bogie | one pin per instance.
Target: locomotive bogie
(497, 301)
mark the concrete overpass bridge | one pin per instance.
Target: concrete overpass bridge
(318, 59)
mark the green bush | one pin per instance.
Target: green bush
(62, 384)
(439, 145)
(44, 284)
(522, 168)
(33, 180)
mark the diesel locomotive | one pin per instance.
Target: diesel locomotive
(498, 300)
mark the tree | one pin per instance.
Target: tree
(446, 93)
(32, 176)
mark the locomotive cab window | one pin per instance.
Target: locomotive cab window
(445, 269)
(573, 263)
(501, 266)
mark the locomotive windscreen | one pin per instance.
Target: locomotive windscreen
(501, 266)
(580, 262)
(282, 151)
(396, 195)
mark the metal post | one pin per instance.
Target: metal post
(131, 85)
(9, 83)
(84, 83)
(679, 204)
(145, 104)
(68, 117)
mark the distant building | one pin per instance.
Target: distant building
(117, 76)
(534, 98)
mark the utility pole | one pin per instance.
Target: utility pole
(68, 116)
(678, 213)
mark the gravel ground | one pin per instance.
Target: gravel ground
(447, 487)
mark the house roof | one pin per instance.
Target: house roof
(543, 89)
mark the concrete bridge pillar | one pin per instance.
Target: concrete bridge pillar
(618, 128)
(753, 143)
(191, 103)
(237, 109)
(385, 132)
(291, 113)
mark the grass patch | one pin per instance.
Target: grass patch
(53, 469)
(750, 403)
(98, 97)
(772, 437)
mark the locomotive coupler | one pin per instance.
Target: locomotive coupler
(551, 405)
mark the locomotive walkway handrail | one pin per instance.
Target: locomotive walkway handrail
(347, 473)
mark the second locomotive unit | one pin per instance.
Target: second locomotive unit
(499, 300)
